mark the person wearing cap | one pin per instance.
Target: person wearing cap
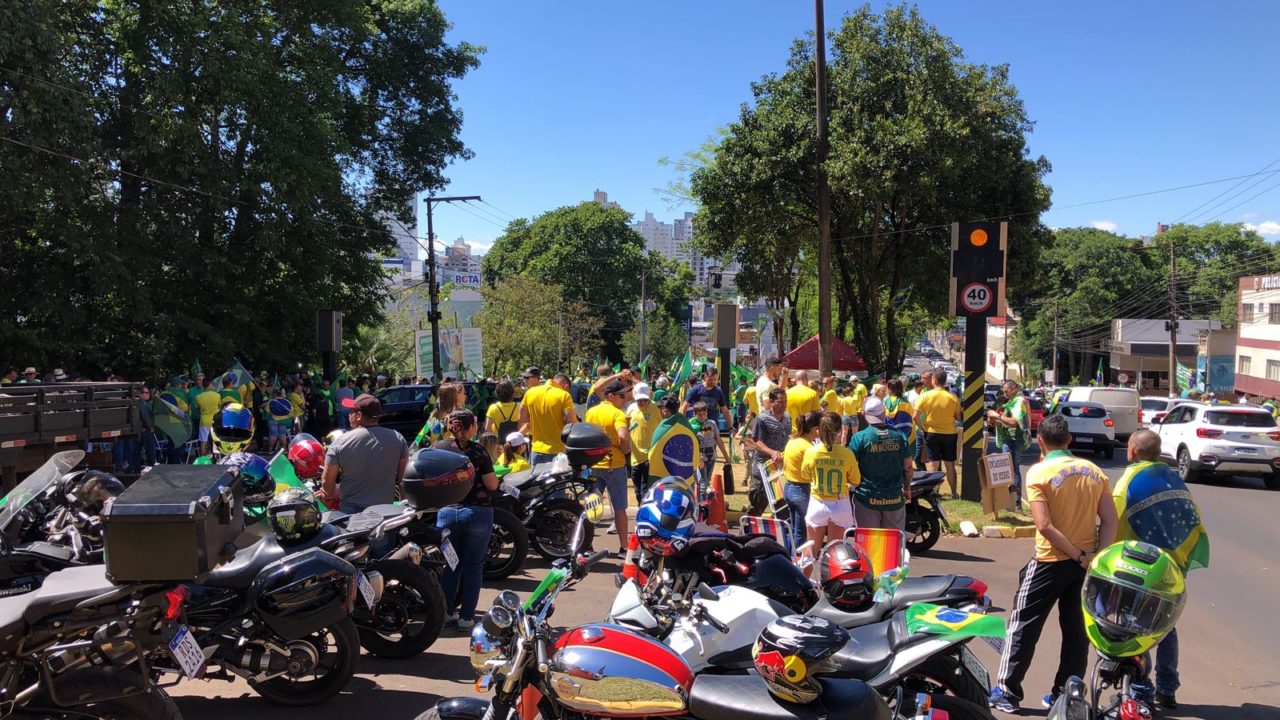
(544, 412)
(515, 452)
(643, 417)
(369, 458)
(59, 375)
(529, 379)
(885, 461)
(611, 472)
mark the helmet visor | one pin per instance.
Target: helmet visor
(1123, 608)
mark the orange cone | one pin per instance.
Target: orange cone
(629, 569)
(716, 510)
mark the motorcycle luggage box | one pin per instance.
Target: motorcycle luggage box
(303, 593)
(585, 444)
(436, 478)
(174, 524)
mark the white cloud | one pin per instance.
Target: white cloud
(1269, 228)
(1108, 225)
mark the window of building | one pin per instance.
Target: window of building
(1273, 313)
(1244, 365)
(1273, 370)
(1246, 313)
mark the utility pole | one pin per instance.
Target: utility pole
(824, 196)
(1173, 323)
(644, 314)
(1056, 380)
(1005, 364)
(434, 286)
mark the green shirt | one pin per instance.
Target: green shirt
(882, 454)
(1016, 437)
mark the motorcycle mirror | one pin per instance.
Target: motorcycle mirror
(705, 592)
(579, 535)
(619, 580)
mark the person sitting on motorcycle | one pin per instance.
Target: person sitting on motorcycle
(831, 470)
(492, 445)
(515, 452)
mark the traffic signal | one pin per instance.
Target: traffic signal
(978, 268)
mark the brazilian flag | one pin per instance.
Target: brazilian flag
(171, 421)
(282, 472)
(1155, 506)
(673, 451)
(953, 623)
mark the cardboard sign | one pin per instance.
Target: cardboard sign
(999, 469)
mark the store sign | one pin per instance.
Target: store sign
(1270, 282)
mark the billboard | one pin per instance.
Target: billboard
(461, 353)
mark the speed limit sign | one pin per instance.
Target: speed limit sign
(976, 297)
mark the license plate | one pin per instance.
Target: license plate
(186, 652)
(366, 589)
(1247, 451)
(450, 555)
(976, 668)
(996, 644)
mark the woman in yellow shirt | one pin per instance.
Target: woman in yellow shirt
(795, 488)
(515, 453)
(832, 471)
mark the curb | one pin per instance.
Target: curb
(1006, 531)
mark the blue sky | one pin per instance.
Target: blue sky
(1127, 97)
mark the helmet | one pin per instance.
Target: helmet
(668, 482)
(333, 436)
(255, 476)
(89, 490)
(791, 651)
(664, 522)
(307, 455)
(1133, 595)
(232, 428)
(294, 515)
(846, 576)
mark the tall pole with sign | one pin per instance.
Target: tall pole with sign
(977, 293)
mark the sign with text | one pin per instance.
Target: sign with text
(978, 269)
(461, 353)
(999, 469)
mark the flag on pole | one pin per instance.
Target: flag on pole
(681, 371)
(196, 369)
(1098, 376)
(1184, 377)
(643, 367)
(171, 421)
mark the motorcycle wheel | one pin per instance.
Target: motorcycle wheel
(554, 524)
(508, 545)
(922, 528)
(336, 647)
(945, 674)
(408, 618)
(151, 703)
(432, 714)
(961, 709)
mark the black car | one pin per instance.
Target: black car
(405, 408)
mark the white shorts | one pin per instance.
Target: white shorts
(204, 433)
(825, 512)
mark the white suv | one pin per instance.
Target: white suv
(1226, 439)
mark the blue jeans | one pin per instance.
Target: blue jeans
(1016, 451)
(797, 497)
(469, 529)
(1167, 682)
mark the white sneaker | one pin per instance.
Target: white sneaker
(613, 529)
(466, 625)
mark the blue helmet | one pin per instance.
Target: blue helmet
(664, 522)
(255, 476)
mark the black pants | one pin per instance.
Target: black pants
(1041, 585)
(639, 478)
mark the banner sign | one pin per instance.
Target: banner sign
(444, 276)
(461, 353)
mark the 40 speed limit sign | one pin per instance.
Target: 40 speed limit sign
(976, 297)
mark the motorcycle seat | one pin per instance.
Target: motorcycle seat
(520, 479)
(925, 481)
(65, 589)
(240, 572)
(870, 649)
(746, 697)
(12, 624)
(927, 588)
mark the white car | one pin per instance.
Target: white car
(1091, 427)
(1124, 404)
(1206, 440)
(1154, 409)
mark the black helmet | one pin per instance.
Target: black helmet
(255, 476)
(88, 490)
(846, 576)
(792, 651)
(294, 516)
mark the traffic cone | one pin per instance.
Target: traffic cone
(629, 569)
(715, 506)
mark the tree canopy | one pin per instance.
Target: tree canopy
(199, 178)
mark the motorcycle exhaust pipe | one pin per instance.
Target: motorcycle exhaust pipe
(409, 551)
(253, 659)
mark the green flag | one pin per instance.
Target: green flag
(1184, 376)
(196, 369)
(643, 367)
(681, 371)
(282, 472)
(171, 421)
(953, 623)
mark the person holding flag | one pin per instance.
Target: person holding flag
(1012, 422)
(1099, 376)
(673, 449)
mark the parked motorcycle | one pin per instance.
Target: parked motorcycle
(925, 517)
(757, 562)
(37, 535)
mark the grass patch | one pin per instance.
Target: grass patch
(960, 510)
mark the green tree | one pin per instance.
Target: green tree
(206, 175)
(527, 322)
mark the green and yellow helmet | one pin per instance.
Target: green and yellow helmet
(1133, 595)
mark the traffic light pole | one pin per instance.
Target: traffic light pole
(433, 283)
(971, 407)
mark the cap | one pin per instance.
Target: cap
(58, 374)
(29, 371)
(615, 388)
(366, 404)
(516, 439)
(532, 371)
(640, 391)
(873, 408)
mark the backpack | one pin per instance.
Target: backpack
(896, 418)
(508, 424)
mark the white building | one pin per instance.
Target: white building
(658, 237)
(458, 257)
(404, 266)
(1257, 362)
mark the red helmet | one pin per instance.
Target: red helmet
(307, 455)
(846, 576)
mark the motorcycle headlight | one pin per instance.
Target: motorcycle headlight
(484, 647)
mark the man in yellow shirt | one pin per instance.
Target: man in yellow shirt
(643, 418)
(801, 399)
(544, 412)
(611, 472)
(830, 398)
(936, 417)
(208, 402)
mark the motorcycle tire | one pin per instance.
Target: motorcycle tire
(410, 615)
(961, 709)
(153, 703)
(432, 714)
(344, 640)
(946, 673)
(557, 519)
(508, 546)
(923, 528)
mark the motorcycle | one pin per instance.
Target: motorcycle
(548, 500)
(757, 562)
(925, 517)
(41, 536)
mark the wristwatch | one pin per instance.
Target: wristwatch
(1082, 554)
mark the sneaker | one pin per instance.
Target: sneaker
(451, 619)
(613, 529)
(466, 625)
(1166, 701)
(1048, 700)
(1003, 703)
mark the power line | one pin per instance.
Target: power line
(495, 207)
(1224, 192)
(479, 208)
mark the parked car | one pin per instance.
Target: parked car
(1091, 427)
(1124, 404)
(1035, 412)
(1154, 409)
(405, 408)
(1206, 440)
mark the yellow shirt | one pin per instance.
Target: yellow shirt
(793, 460)
(848, 405)
(642, 423)
(514, 464)
(611, 420)
(1071, 487)
(831, 472)
(296, 400)
(501, 412)
(209, 402)
(832, 400)
(752, 401)
(937, 410)
(800, 400)
(547, 405)
(859, 398)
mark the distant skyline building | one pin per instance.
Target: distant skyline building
(674, 240)
(403, 266)
(458, 257)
